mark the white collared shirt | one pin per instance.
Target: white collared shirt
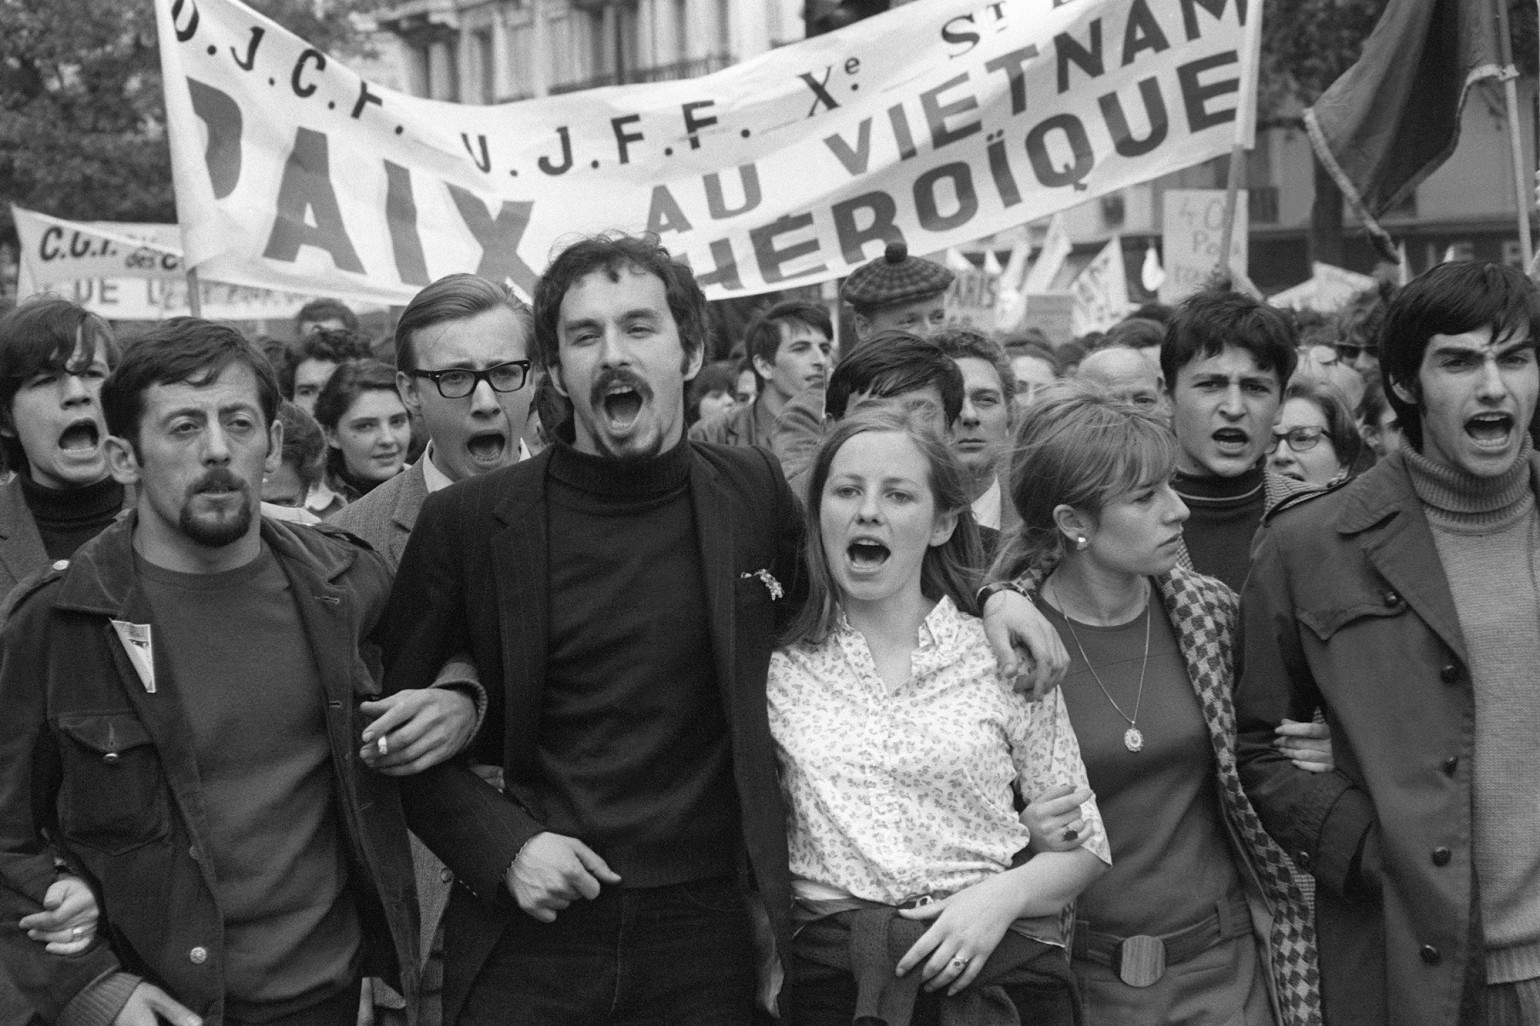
(986, 508)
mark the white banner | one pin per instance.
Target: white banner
(1328, 289)
(938, 122)
(1101, 290)
(128, 271)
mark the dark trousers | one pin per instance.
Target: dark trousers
(671, 956)
(341, 1009)
(824, 999)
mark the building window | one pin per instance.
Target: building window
(483, 67)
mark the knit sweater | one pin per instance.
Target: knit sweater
(1488, 538)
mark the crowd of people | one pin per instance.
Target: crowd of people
(527, 667)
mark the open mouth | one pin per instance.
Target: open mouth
(865, 554)
(80, 436)
(1231, 439)
(487, 447)
(622, 404)
(1490, 429)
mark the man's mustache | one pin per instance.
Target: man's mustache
(611, 377)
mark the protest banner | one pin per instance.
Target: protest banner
(1055, 250)
(970, 300)
(939, 122)
(129, 271)
(1101, 290)
(1327, 290)
(1192, 224)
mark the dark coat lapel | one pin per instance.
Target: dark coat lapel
(520, 552)
(714, 514)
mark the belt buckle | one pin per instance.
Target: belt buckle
(1140, 961)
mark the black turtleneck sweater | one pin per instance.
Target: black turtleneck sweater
(634, 756)
(67, 518)
(1226, 512)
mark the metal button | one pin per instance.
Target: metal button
(1451, 764)
(61, 564)
(1392, 599)
(1450, 673)
(200, 954)
(1430, 954)
(110, 758)
(446, 875)
(192, 852)
(1441, 856)
(1302, 860)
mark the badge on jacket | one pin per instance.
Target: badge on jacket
(136, 642)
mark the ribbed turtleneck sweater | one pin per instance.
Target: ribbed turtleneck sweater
(1226, 512)
(67, 518)
(634, 753)
(1488, 540)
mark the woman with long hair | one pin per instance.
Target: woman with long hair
(899, 750)
(367, 427)
(1198, 921)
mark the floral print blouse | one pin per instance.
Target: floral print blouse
(896, 795)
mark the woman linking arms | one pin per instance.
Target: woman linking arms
(1197, 921)
(898, 750)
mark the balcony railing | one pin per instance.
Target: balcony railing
(656, 73)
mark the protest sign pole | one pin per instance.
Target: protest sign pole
(194, 298)
(1232, 193)
(1511, 101)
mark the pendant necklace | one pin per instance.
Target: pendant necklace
(1133, 739)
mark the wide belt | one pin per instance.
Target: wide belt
(1141, 960)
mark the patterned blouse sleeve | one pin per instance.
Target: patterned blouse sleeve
(1046, 754)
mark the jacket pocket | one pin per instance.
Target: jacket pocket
(113, 797)
(1327, 621)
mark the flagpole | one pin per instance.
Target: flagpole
(194, 297)
(1232, 193)
(1521, 194)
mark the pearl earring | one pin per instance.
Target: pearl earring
(1082, 541)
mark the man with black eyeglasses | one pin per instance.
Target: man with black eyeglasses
(462, 366)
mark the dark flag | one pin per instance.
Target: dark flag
(1394, 116)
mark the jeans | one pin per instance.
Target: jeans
(823, 1000)
(673, 956)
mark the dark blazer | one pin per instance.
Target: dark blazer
(474, 578)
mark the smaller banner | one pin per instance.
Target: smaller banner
(1327, 290)
(131, 271)
(1193, 224)
(1101, 291)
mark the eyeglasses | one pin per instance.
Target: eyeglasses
(459, 383)
(1300, 439)
(1348, 352)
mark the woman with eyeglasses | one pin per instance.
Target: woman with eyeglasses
(1315, 439)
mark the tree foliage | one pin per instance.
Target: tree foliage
(82, 119)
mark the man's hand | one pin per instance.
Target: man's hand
(1028, 649)
(148, 1005)
(416, 729)
(1308, 745)
(552, 871)
(67, 924)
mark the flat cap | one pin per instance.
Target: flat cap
(894, 278)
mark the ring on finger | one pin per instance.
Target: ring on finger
(74, 933)
(959, 963)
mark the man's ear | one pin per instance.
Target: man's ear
(693, 362)
(122, 461)
(763, 367)
(1406, 395)
(406, 385)
(556, 382)
(274, 447)
(861, 324)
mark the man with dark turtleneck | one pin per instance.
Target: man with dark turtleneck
(54, 356)
(1225, 360)
(1408, 604)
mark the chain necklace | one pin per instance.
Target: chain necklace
(1133, 739)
